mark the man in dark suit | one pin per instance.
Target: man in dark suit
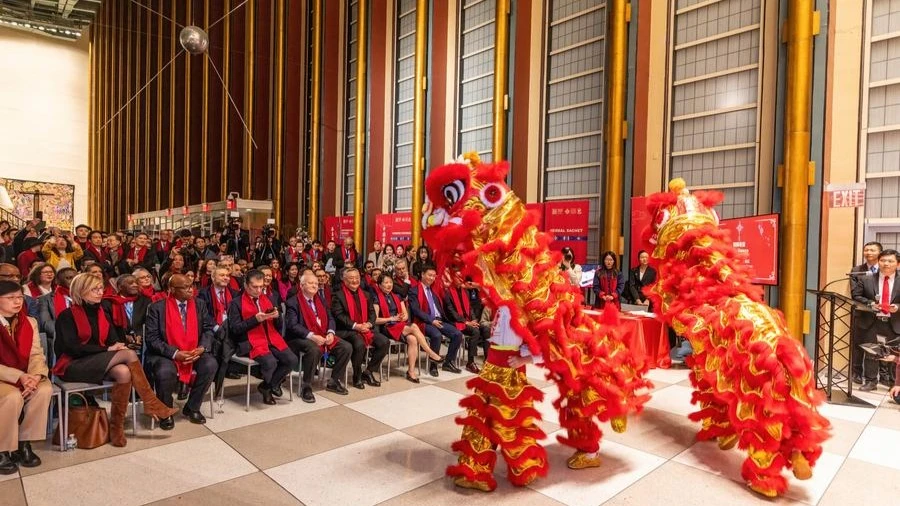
(333, 262)
(461, 314)
(869, 267)
(270, 289)
(179, 333)
(882, 294)
(127, 310)
(429, 313)
(354, 314)
(218, 295)
(311, 331)
(139, 255)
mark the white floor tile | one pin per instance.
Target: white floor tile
(235, 417)
(139, 477)
(850, 413)
(670, 376)
(622, 466)
(811, 491)
(372, 471)
(877, 445)
(674, 399)
(411, 407)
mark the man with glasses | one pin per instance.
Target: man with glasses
(324, 285)
(178, 333)
(252, 325)
(9, 272)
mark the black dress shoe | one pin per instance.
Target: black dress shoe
(868, 386)
(194, 416)
(306, 394)
(433, 370)
(857, 379)
(359, 384)
(182, 391)
(336, 387)
(370, 380)
(7, 464)
(276, 391)
(472, 368)
(167, 423)
(266, 392)
(25, 456)
(233, 375)
(449, 367)
(439, 360)
(410, 378)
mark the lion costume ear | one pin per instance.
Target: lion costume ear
(492, 172)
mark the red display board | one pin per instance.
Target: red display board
(757, 238)
(337, 228)
(640, 221)
(567, 222)
(395, 228)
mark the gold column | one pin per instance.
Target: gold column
(226, 107)
(147, 74)
(105, 77)
(172, 72)
(188, 20)
(501, 78)
(362, 51)
(159, 101)
(92, 119)
(801, 26)
(249, 78)
(278, 197)
(421, 85)
(204, 141)
(316, 117)
(616, 127)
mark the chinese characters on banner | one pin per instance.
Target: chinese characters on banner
(757, 238)
(337, 228)
(395, 228)
(567, 222)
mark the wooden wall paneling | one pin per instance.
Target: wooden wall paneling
(120, 74)
(236, 85)
(198, 102)
(261, 165)
(294, 137)
(332, 112)
(179, 111)
(212, 190)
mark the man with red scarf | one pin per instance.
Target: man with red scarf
(95, 251)
(430, 314)
(253, 326)
(403, 282)
(81, 235)
(311, 332)
(139, 255)
(31, 254)
(349, 254)
(218, 296)
(24, 389)
(163, 246)
(313, 253)
(460, 314)
(179, 332)
(324, 286)
(354, 314)
(127, 310)
(55, 302)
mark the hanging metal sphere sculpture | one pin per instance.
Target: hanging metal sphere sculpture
(194, 40)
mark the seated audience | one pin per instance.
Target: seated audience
(429, 313)
(269, 289)
(289, 283)
(218, 296)
(460, 314)
(127, 310)
(24, 388)
(403, 282)
(60, 252)
(377, 255)
(311, 332)
(144, 280)
(40, 280)
(608, 282)
(179, 333)
(641, 276)
(393, 319)
(349, 254)
(252, 326)
(324, 285)
(354, 314)
(31, 254)
(139, 255)
(88, 350)
(9, 272)
(52, 304)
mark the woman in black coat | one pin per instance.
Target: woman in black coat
(641, 276)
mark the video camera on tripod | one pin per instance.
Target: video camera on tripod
(882, 349)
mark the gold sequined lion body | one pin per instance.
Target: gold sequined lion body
(753, 382)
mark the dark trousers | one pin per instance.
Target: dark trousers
(473, 338)
(312, 354)
(275, 365)
(871, 368)
(165, 379)
(380, 346)
(434, 335)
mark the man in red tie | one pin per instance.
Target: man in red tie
(882, 294)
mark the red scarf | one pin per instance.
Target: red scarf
(15, 348)
(137, 254)
(318, 325)
(327, 292)
(59, 300)
(99, 254)
(423, 300)
(149, 292)
(608, 286)
(359, 314)
(462, 306)
(83, 329)
(349, 255)
(313, 255)
(219, 309)
(117, 302)
(34, 290)
(204, 280)
(395, 329)
(185, 337)
(120, 254)
(163, 246)
(264, 334)
(233, 283)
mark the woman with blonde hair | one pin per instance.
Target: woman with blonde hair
(89, 351)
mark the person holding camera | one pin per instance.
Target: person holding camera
(881, 294)
(60, 250)
(267, 247)
(236, 240)
(570, 268)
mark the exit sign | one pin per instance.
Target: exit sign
(845, 195)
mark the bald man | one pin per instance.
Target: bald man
(178, 333)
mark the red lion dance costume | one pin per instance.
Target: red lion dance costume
(753, 381)
(470, 210)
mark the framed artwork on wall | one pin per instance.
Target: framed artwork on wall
(55, 201)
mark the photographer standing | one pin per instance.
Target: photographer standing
(236, 240)
(267, 247)
(570, 268)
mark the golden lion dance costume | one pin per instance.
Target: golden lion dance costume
(753, 382)
(471, 211)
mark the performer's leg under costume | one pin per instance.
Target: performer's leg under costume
(501, 415)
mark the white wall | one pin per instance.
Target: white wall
(44, 101)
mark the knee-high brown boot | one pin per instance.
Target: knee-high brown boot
(120, 396)
(152, 405)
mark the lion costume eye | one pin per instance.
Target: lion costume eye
(492, 195)
(453, 192)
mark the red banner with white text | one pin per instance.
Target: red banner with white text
(394, 228)
(567, 222)
(337, 228)
(757, 238)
